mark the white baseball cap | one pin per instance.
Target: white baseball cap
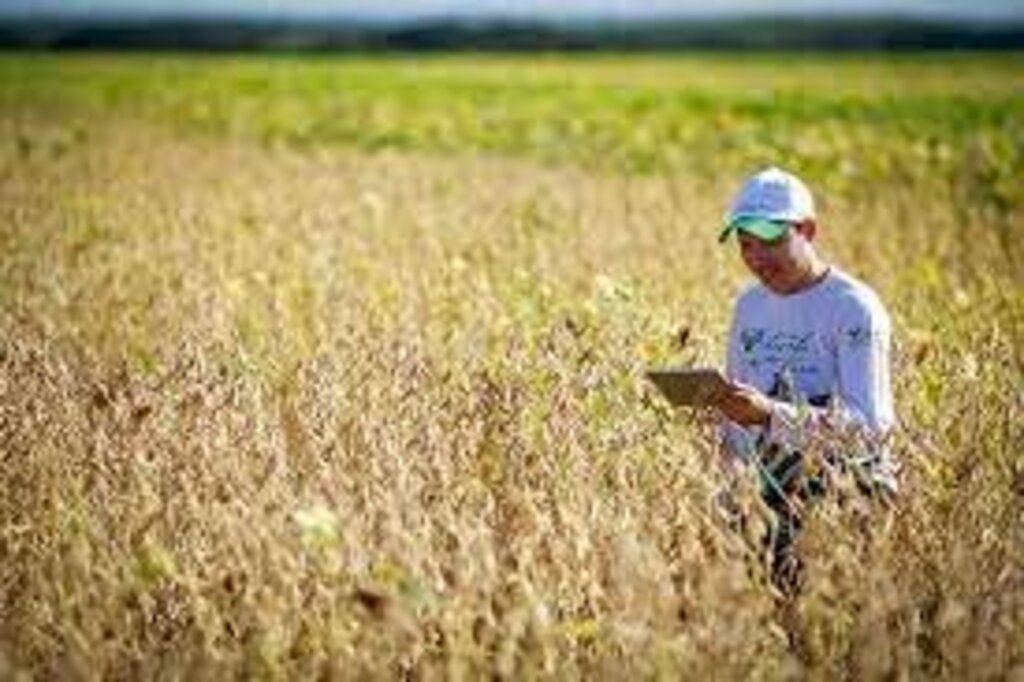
(768, 204)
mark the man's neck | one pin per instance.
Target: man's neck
(816, 271)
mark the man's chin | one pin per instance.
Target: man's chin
(776, 285)
(767, 279)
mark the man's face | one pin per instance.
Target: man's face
(780, 264)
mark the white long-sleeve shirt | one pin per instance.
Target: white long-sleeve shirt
(823, 353)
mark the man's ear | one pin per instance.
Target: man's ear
(808, 228)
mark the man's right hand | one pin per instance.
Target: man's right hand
(744, 405)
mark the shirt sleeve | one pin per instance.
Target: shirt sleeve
(862, 352)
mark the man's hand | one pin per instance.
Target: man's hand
(744, 405)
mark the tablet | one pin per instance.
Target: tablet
(693, 387)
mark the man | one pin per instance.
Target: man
(808, 355)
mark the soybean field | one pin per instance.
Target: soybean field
(332, 366)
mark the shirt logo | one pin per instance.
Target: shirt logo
(857, 337)
(758, 340)
(750, 339)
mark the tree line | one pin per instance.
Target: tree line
(337, 34)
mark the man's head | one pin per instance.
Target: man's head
(774, 221)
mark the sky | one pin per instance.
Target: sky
(550, 9)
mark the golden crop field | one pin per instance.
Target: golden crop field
(332, 368)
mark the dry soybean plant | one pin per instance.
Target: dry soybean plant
(275, 414)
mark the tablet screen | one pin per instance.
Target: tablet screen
(689, 386)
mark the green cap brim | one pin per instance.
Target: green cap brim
(762, 228)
